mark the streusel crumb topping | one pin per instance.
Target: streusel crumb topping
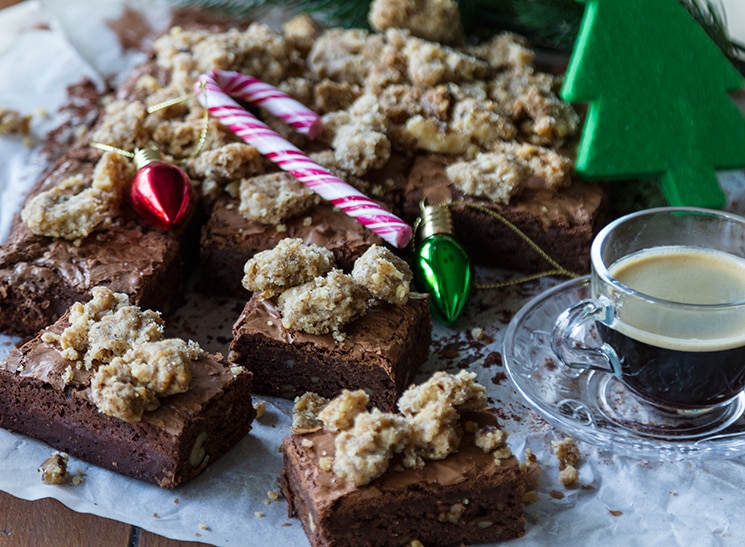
(289, 264)
(133, 364)
(428, 427)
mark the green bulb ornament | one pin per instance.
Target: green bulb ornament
(441, 267)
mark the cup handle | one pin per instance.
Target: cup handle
(571, 350)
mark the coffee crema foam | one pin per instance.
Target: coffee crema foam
(682, 275)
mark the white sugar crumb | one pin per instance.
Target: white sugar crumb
(274, 197)
(289, 264)
(323, 305)
(384, 274)
(72, 209)
(427, 429)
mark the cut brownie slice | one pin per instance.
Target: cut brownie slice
(49, 397)
(229, 240)
(381, 352)
(437, 474)
(562, 221)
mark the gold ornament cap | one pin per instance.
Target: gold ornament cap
(435, 219)
(144, 156)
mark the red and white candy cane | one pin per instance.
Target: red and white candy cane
(215, 91)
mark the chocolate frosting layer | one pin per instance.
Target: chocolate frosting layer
(468, 463)
(41, 361)
(571, 206)
(378, 331)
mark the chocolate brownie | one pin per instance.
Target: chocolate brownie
(229, 240)
(470, 492)
(48, 398)
(562, 222)
(381, 353)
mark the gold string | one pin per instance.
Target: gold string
(558, 269)
(160, 106)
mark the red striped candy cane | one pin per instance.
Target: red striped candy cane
(215, 91)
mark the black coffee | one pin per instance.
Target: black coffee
(678, 379)
(677, 355)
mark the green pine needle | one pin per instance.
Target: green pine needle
(551, 24)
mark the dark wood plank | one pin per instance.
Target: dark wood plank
(148, 539)
(48, 522)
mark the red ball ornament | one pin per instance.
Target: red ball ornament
(160, 192)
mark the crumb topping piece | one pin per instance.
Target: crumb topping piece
(274, 197)
(315, 297)
(387, 276)
(567, 452)
(71, 210)
(323, 305)
(427, 428)
(435, 20)
(289, 264)
(133, 364)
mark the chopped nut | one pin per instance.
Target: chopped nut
(566, 450)
(305, 412)
(568, 475)
(54, 469)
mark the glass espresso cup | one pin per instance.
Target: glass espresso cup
(668, 306)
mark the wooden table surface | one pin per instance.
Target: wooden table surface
(48, 523)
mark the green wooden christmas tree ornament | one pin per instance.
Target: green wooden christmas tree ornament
(657, 88)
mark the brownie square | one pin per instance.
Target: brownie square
(169, 446)
(465, 498)
(561, 222)
(229, 240)
(381, 353)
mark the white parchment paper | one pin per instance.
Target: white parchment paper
(617, 500)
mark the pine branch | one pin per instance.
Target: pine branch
(551, 24)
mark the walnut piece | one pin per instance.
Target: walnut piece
(13, 123)
(384, 274)
(289, 264)
(305, 412)
(54, 469)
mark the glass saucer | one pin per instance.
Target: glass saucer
(596, 407)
